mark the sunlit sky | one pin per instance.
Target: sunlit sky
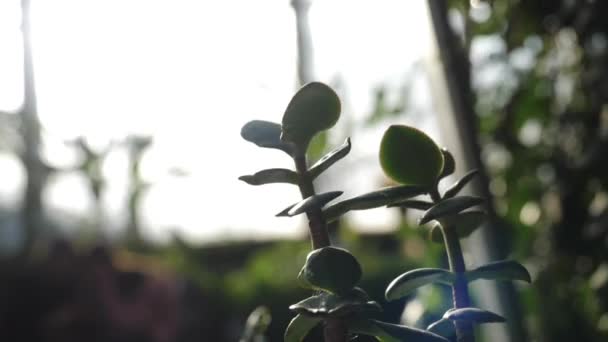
(190, 74)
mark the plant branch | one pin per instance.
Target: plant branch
(316, 222)
(460, 291)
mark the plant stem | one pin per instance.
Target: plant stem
(316, 222)
(460, 291)
(335, 329)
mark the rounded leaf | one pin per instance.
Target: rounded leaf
(409, 156)
(314, 108)
(331, 269)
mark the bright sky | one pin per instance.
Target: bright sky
(191, 73)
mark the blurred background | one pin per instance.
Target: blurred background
(121, 216)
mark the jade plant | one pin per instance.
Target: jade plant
(410, 158)
(453, 219)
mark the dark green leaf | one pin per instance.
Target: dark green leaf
(449, 164)
(265, 134)
(500, 270)
(374, 199)
(443, 327)
(409, 156)
(412, 204)
(329, 159)
(285, 212)
(314, 108)
(456, 187)
(386, 332)
(463, 223)
(313, 202)
(329, 304)
(409, 281)
(299, 327)
(331, 269)
(473, 315)
(449, 207)
(271, 176)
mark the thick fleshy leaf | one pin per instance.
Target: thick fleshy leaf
(329, 159)
(412, 204)
(449, 207)
(463, 223)
(331, 269)
(410, 281)
(461, 183)
(329, 304)
(386, 332)
(299, 327)
(473, 315)
(266, 134)
(271, 176)
(500, 270)
(449, 164)
(313, 202)
(374, 199)
(409, 156)
(443, 327)
(314, 108)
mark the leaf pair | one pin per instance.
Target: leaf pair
(406, 283)
(301, 325)
(314, 108)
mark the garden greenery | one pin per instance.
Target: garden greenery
(411, 159)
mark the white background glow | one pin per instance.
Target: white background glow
(190, 74)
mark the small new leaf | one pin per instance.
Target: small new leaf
(331, 269)
(313, 202)
(473, 315)
(449, 207)
(409, 281)
(266, 134)
(299, 327)
(374, 199)
(409, 156)
(329, 159)
(449, 164)
(500, 270)
(463, 224)
(269, 176)
(456, 187)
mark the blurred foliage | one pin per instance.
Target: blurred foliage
(540, 76)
